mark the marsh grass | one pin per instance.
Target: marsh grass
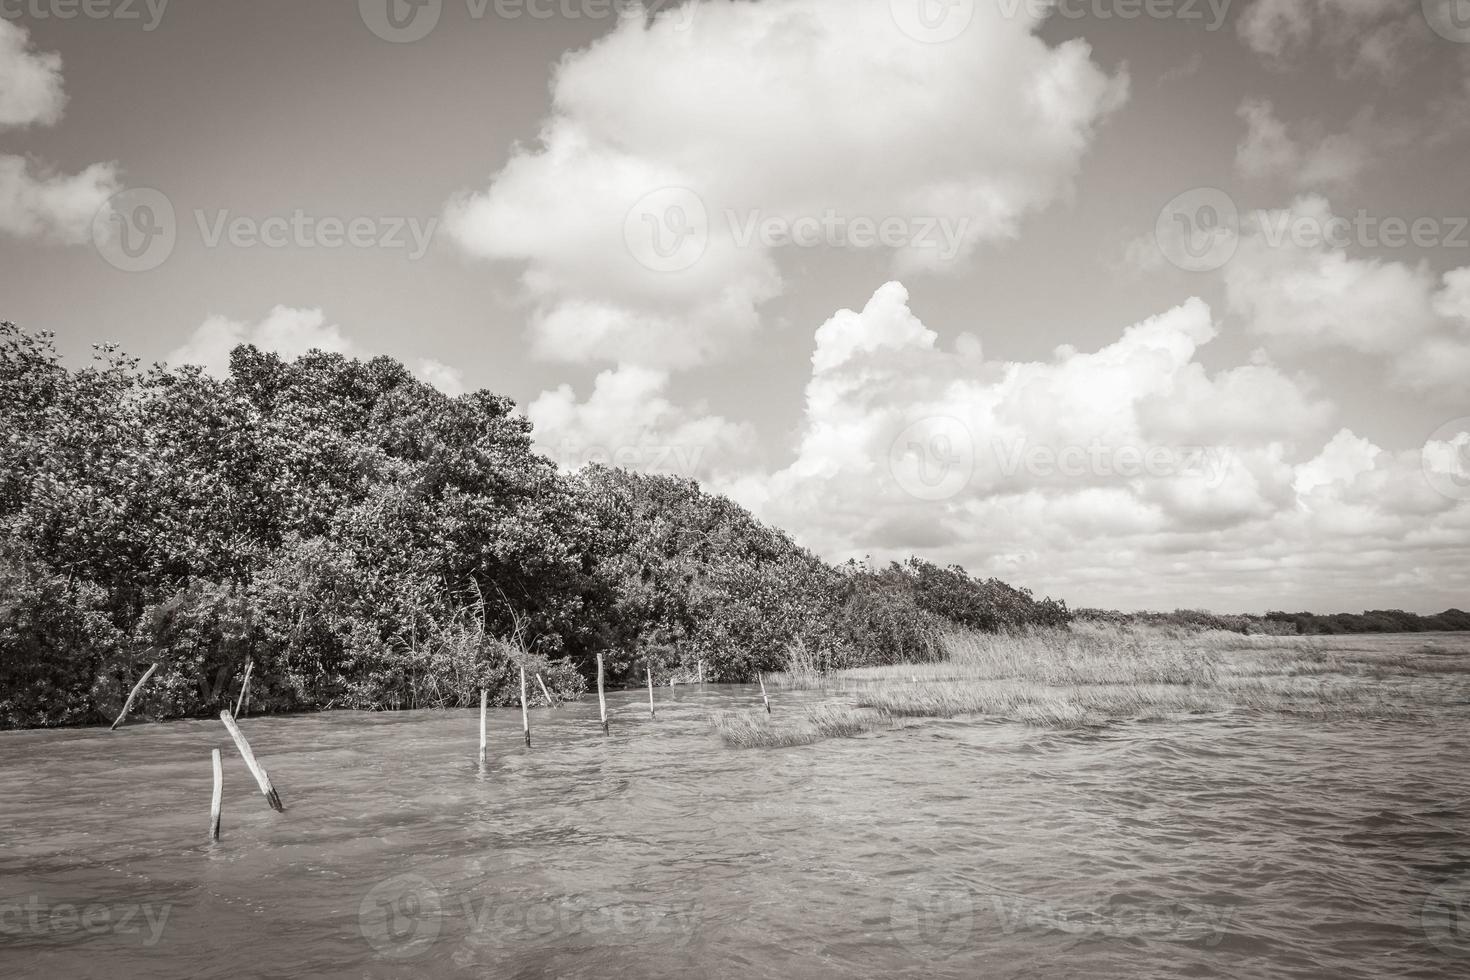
(1095, 674)
(756, 729)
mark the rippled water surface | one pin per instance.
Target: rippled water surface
(1229, 846)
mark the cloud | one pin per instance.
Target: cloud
(1294, 283)
(58, 207)
(1378, 38)
(35, 200)
(30, 82)
(290, 333)
(629, 421)
(1087, 473)
(1308, 157)
(680, 157)
(447, 379)
(285, 331)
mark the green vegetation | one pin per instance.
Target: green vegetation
(368, 542)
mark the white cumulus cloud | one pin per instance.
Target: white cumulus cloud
(1083, 474)
(681, 158)
(1296, 284)
(30, 81)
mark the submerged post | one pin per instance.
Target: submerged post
(244, 686)
(651, 713)
(482, 725)
(545, 693)
(763, 693)
(219, 795)
(132, 695)
(525, 715)
(601, 700)
(256, 769)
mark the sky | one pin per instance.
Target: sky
(1136, 303)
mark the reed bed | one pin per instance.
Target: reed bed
(1093, 675)
(756, 729)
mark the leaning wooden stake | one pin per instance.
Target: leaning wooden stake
(763, 693)
(545, 693)
(132, 696)
(244, 686)
(525, 715)
(601, 700)
(256, 769)
(482, 726)
(651, 713)
(219, 795)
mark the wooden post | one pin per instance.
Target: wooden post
(651, 713)
(601, 700)
(244, 686)
(763, 693)
(256, 769)
(132, 696)
(525, 715)
(482, 725)
(219, 795)
(550, 703)
(701, 673)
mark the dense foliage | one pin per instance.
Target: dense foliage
(368, 542)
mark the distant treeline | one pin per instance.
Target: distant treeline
(1292, 624)
(368, 542)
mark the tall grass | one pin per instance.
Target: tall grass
(1093, 674)
(751, 729)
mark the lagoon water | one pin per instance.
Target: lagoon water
(1229, 846)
